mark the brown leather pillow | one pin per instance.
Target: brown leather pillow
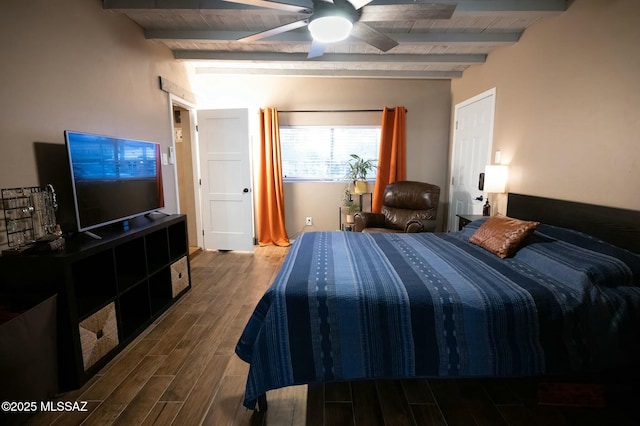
(503, 235)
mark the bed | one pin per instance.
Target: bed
(353, 306)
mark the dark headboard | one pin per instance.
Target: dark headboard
(616, 226)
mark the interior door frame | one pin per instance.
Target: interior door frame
(192, 109)
(486, 94)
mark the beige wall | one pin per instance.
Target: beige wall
(428, 103)
(568, 104)
(69, 64)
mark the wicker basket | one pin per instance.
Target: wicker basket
(179, 276)
(98, 335)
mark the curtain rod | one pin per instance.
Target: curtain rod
(335, 110)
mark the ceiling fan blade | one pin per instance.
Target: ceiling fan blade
(296, 6)
(277, 30)
(359, 3)
(372, 36)
(317, 49)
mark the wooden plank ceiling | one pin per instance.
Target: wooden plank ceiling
(436, 39)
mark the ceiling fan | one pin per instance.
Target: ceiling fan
(334, 20)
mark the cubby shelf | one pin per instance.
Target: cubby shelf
(119, 283)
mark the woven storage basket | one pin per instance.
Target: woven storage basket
(179, 276)
(98, 335)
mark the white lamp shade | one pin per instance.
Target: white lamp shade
(495, 178)
(329, 29)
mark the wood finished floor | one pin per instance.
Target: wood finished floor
(182, 371)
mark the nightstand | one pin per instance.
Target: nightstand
(465, 219)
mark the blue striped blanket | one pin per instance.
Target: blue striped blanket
(348, 306)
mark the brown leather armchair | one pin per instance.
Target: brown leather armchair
(407, 206)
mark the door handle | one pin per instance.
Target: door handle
(245, 190)
(480, 198)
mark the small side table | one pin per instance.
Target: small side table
(465, 219)
(365, 201)
(346, 226)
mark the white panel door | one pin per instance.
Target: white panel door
(473, 136)
(225, 170)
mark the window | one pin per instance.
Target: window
(322, 153)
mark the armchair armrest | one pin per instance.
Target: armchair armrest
(368, 220)
(417, 225)
(414, 225)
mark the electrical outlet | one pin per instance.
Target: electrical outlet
(309, 221)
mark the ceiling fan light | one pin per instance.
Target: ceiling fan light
(329, 29)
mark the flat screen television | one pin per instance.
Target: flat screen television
(113, 179)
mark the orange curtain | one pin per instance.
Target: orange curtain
(270, 208)
(392, 160)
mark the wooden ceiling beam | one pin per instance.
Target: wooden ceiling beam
(298, 5)
(460, 59)
(438, 38)
(331, 73)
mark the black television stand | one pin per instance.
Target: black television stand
(92, 235)
(109, 290)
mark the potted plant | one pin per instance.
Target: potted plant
(359, 168)
(352, 209)
(349, 205)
